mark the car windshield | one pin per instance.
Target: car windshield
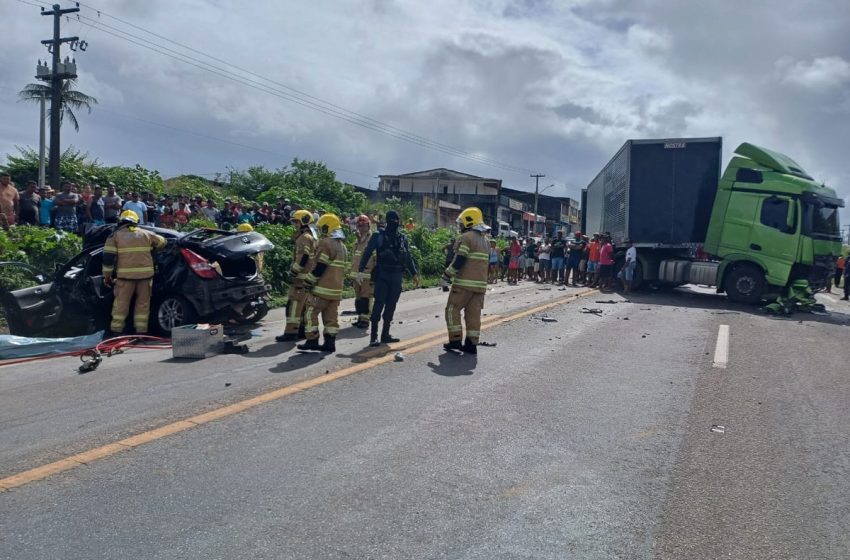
(822, 220)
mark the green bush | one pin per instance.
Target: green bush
(42, 248)
(427, 247)
(276, 262)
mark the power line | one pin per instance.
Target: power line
(296, 91)
(297, 97)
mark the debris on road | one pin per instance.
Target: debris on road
(607, 301)
(547, 319)
(228, 384)
(489, 344)
(399, 357)
(591, 310)
(230, 347)
(718, 429)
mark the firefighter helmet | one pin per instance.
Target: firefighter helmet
(303, 217)
(328, 223)
(129, 216)
(244, 227)
(470, 217)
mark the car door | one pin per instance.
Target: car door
(32, 305)
(88, 299)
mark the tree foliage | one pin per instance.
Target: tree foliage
(309, 184)
(71, 99)
(76, 165)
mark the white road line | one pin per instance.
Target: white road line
(721, 350)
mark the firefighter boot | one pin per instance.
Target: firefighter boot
(469, 347)
(301, 334)
(310, 344)
(286, 337)
(329, 344)
(386, 337)
(453, 345)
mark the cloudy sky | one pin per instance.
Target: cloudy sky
(550, 86)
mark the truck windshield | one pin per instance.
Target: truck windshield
(822, 220)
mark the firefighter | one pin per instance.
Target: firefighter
(305, 248)
(468, 276)
(392, 257)
(325, 278)
(128, 265)
(363, 288)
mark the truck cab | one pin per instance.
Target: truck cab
(771, 224)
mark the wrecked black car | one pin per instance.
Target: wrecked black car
(204, 275)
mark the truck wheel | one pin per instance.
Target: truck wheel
(745, 284)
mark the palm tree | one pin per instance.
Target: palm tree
(71, 99)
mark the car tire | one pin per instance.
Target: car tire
(255, 315)
(171, 311)
(745, 284)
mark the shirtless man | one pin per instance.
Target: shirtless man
(9, 199)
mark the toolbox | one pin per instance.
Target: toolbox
(197, 341)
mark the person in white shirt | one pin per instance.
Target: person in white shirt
(545, 258)
(628, 272)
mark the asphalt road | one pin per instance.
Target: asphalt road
(587, 437)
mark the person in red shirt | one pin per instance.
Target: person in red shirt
(593, 261)
(606, 263)
(166, 219)
(181, 215)
(514, 265)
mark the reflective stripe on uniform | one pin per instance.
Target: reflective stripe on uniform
(465, 283)
(327, 292)
(133, 250)
(137, 269)
(478, 256)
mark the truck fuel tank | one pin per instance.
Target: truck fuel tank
(704, 273)
(674, 271)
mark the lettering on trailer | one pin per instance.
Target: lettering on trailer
(674, 145)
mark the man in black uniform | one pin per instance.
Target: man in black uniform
(393, 257)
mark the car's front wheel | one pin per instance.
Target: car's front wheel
(169, 312)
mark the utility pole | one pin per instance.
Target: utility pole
(42, 124)
(536, 195)
(59, 71)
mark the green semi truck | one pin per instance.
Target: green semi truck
(750, 232)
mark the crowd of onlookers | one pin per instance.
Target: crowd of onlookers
(576, 260)
(77, 207)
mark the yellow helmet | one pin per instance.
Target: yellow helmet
(129, 216)
(470, 217)
(303, 217)
(244, 227)
(328, 223)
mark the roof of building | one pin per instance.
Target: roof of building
(441, 173)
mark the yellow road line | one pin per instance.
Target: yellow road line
(411, 346)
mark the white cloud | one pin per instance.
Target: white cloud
(647, 39)
(823, 72)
